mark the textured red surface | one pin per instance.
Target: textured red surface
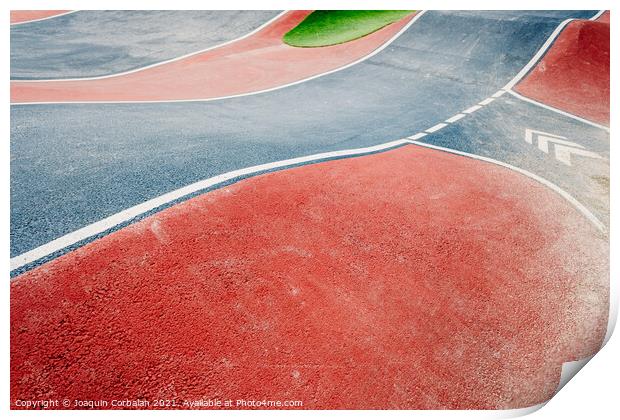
(604, 18)
(261, 61)
(574, 74)
(411, 279)
(19, 16)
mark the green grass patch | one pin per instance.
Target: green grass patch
(330, 27)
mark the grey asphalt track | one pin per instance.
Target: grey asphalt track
(74, 164)
(497, 131)
(96, 43)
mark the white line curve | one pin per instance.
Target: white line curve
(591, 217)
(140, 209)
(539, 54)
(44, 18)
(598, 15)
(537, 57)
(132, 212)
(558, 111)
(257, 92)
(159, 63)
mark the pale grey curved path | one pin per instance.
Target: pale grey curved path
(96, 43)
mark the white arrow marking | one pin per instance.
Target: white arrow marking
(543, 143)
(562, 153)
(529, 135)
(563, 147)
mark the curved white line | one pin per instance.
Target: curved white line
(132, 212)
(566, 374)
(257, 92)
(128, 214)
(539, 54)
(114, 220)
(160, 63)
(591, 217)
(559, 111)
(45, 18)
(543, 50)
(598, 15)
(140, 209)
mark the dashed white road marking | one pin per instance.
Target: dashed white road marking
(455, 118)
(140, 209)
(417, 136)
(436, 128)
(472, 109)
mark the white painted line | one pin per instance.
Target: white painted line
(417, 136)
(472, 109)
(435, 128)
(529, 136)
(537, 56)
(132, 212)
(45, 18)
(316, 76)
(535, 60)
(160, 63)
(543, 50)
(580, 207)
(498, 93)
(455, 118)
(128, 214)
(559, 111)
(486, 101)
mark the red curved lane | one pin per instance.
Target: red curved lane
(259, 62)
(408, 279)
(574, 74)
(23, 16)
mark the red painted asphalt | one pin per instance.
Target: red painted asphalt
(259, 62)
(21, 16)
(407, 279)
(604, 18)
(574, 74)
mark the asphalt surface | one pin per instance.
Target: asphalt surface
(574, 74)
(410, 279)
(248, 65)
(105, 42)
(23, 16)
(71, 167)
(497, 131)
